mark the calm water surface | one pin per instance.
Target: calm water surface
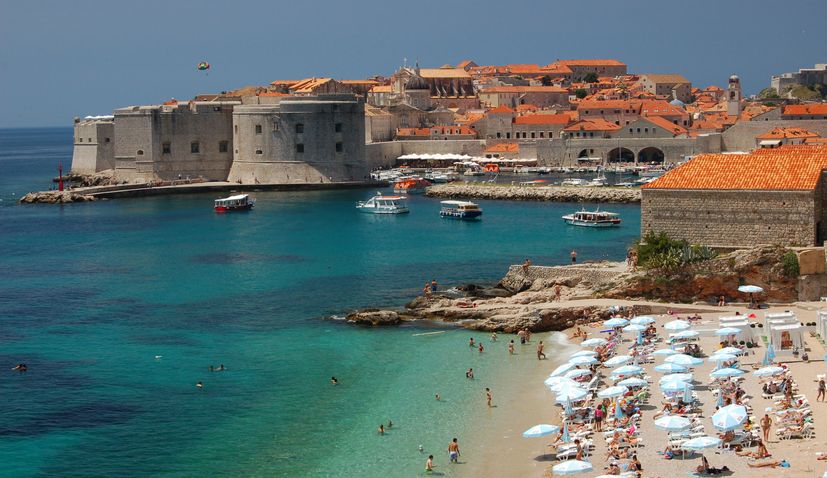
(119, 307)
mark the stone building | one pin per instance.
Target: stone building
(440, 132)
(512, 96)
(807, 111)
(805, 76)
(771, 196)
(670, 86)
(581, 68)
(94, 146)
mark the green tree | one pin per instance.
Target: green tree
(590, 78)
(768, 93)
(581, 93)
(546, 80)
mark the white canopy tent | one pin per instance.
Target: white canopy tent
(821, 324)
(787, 337)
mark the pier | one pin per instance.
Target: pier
(535, 193)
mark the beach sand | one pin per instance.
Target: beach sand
(522, 401)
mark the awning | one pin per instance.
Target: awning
(770, 142)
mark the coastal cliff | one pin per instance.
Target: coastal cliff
(534, 193)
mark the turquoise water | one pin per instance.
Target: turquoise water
(92, 293)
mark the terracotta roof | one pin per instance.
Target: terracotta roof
(284, 82)
(527, 107)
(787, 133)
(381, 89)
(779, 169)
(465, 63)
(667, 125)
(591, 63)
(503, 148)
(664, 78)
(592, 125)
(560, 119)
(359, 82)
(309, 84)
(501, 109)
(443, 73)
(557, 68)
(524, 89)
(806, 109)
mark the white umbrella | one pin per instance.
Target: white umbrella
(617, 360)
(727, 373)
(750, 289)
(768, 371)
(723, 332)
(677, 325)
(729, 417)
(643, 320)
(569, 394)
(627, 370)
(611, 392)
(677, 377)
(673, 423)
(541, 430)
(633, 382)
(687, 334)
(583, 360)
(562, 369)
(670, 368)
(664, 352)
(683, 359)
(616, 322)
(634, 328)
(594, 342)
(583, 353)
(723, 358)
(571, 467)
(729, 350)
(701, 442)
(578, 372)
(674, 386)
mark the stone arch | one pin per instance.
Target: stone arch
(584, 153)
(620, 155)
(650, 155)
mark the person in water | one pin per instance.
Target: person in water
(212, 369)
(470, 373)
(471, 342)
(453, 451)
(481, 349)
(199, 385)
(488, 396)
(381, 429)
(390, 423)
(429, 465)
(438, 398)
(494, 336)
(21, 367)
(511, 347)
(334, 381)
(540, 354)
(221, 368)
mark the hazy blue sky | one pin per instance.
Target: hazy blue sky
(60, 59)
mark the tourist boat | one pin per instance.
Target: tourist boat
(380, 204)
(543, 171)
(652, 173)
(598, 181)
(241, 202)
(460, 210)
(596, 218)
(573, 182)
(410, 186)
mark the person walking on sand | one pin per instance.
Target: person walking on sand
(573, 256)
(489, 397)
(453, 451)
(540, 354)
(822, 389)
(511, 347)
(766, 424)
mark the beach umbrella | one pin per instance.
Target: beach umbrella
(611, 392)
(633, 382)
(562, 369)
(555, 382)
(674, 386)
(616, 322)
(720, 402)
(750, 289)
(729, 417)
(770, 352)
(683, 359)
(643, 320)
(727, 373)
(677, 377)
(677, 325)
(617, 360)
(723, 357)
(568, 394)
(687, 334)
(541, 430)
(583, 360)
(578, 372)
(701, 443)
(673, 423)
(670, 368)
(729, 350)
(583, 353)
(723, 332)
(627, 370)
(566, 437)
(768, 371)
(571, 467)
(664, 352)
(595, 342)
(634, 328)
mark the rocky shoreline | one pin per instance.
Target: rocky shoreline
(56, 197)
(534, 193)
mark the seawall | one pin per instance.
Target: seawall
(534, 193)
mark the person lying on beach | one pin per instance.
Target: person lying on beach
(704, 468)
(758, 454)
(666, 410)
(616, 453)
(770, 464)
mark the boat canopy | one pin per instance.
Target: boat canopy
(238, 197)
(457, 203)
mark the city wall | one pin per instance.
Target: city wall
(564, 152)
(741, 136)
(383, 155)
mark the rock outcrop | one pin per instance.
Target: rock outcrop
(374, 317)
(534, 193)
(55, 197)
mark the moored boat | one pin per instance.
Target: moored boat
(380, 204)
(240, 202)
(460, 210)
(410, 186)
(573, 182)
(596, 218)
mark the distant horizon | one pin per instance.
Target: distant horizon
(89, 60)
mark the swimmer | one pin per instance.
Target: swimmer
(221, 368)
(437, 397)
(481, 349)
(390, 423)
(429, 465)
(488, 396)
(21, 367)
(511, 347)
(540, 354)
(421, 448)
(470, 373)
(453, 451)
(212, 369)
(199, 385)
(471, 342)
(334, 381)
(381, 429)
(494, 336)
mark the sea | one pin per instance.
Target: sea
(120, 307)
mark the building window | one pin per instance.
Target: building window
(223, 146)
(532, 134)
(499, 135)
(195, 147)
(638, 130)
(337, 127)
(299, 148)
(140, 152)
(105, 140)
(80, 140)
(258, 129)
(258, 151)
(90, 140)
(630, 130)
(235, 128)
(507, 135)
(550, 134)
(617, 123)
(166, 148)
(299, 128)
(645, 130)
(541, 134)
(340, 148)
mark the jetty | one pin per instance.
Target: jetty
(534, 193)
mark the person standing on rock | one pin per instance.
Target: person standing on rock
(526, 265)
(573, 256)
(556, 292)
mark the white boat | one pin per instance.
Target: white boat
(625, 185)
(460, 209)
(652, 173)
(598, 181)
(596, 218)
(573, 182)
(241, 202)
(438, 177)
(380, 204)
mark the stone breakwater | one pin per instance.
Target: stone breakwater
(55, 197)
(534, 193)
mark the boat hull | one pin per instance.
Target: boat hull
(223, 209)
(464, 215)
(374, 210)
(409, 190)
(577, 222)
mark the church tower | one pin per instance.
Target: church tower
(733, 99)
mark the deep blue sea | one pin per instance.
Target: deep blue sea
(119, 307)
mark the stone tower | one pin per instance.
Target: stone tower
(733, 99)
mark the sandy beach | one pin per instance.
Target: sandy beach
(522, 401)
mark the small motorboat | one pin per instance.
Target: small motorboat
(460, 210)
(410, 185)
(240, 202)
(380, 204)
(596, 218)
(574, 182)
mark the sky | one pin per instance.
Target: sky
(61, 59)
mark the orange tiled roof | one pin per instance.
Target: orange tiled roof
(560, 119)
(309, 84)
(443, 73)
(524, 89)
(591, 63)
(666, 124)
(780, 169)
(527, 107)
(284, 82)
(592, 125)
(787, 133)
(805, 109)
(503, 148)
(381, 89)
(501, 109)
(665, 78)
(557, 68)
(359, 82)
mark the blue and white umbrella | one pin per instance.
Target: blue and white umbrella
(664, 352)
(686, 334)
(559, 371)
(569, 394)
(583, 353)
(725, 331)
(701, 443)
(618, 410)
(674, 386)
(643, 320)
(578, 372)
(566, 437)
(673, 423)
(677, 325)
(583, 360)
(617, 360)
(571, 467)
(718, 357)
(768, 371)
(555, 383)
(541, 430)
(730, 417)
(633, 382)
(595, 342)
(616, 322)
(687, 393)
(729, 350)
(627, 370)
(670, 368)
(750, 289)
(683, 359)
(634, 328)
(677, 377)
(611, 392)
(727, 373)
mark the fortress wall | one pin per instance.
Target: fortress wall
(93, 146)
(741, 136)
(385, 154)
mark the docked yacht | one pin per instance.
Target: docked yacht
(411, 185)
(380, 204)
(241, 202)
(460, 210)
(574, 182)
(596, 218)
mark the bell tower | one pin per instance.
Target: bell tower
(733, 99)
